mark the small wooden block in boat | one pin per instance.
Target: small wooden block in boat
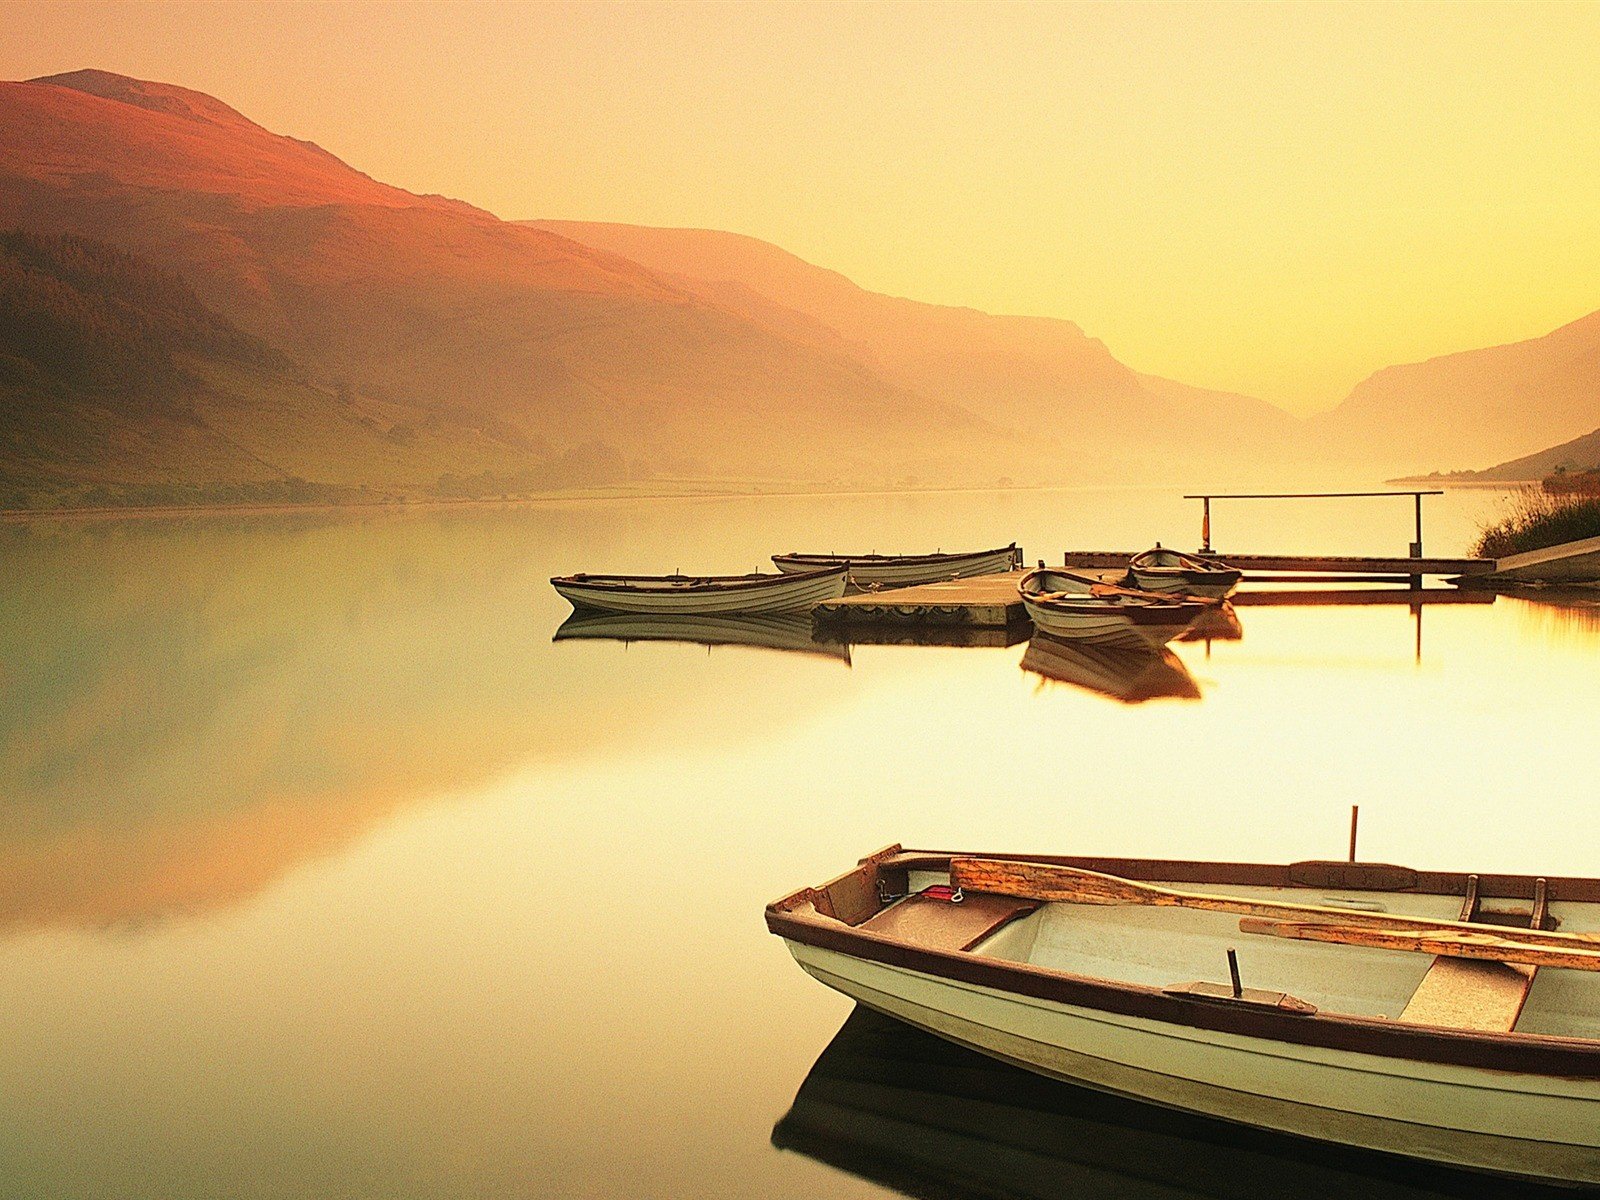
(1465, 993)
(935, 923)
(1249, 997)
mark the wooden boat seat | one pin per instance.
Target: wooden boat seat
(1469, 993)
(1464, 993)
(934, 923)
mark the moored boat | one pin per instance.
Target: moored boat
(1161, 570)
(904, 570)
(1069, 604)
(1445, 1017)
(756, 593)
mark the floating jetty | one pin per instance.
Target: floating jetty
(992, 602)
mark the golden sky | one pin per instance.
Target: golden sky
(1275, 199)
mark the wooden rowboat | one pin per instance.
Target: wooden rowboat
(1067, 604)
(1162, 570)
(904, 570)
(756, 593)
(1444, 1017)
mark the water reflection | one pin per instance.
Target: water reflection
(769, 631)
(191, 708)
(908, 1111)
(1133, 672)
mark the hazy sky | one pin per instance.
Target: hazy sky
(1276, 199)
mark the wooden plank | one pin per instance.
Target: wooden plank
(937, 924)
(1466, 993)
(1042, 881)
(1512, 947)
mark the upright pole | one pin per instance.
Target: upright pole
(1416, 546)
(1355, 819)
(1205, 524)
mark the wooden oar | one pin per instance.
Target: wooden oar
(1510, 948)
(1073, 885)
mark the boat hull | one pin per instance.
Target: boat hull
(1213, 584)
(776, 594)
(889, 572)
(1527, 1126)
(1105, 624)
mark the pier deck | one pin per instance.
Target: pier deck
(991, 601)
(1310, 564)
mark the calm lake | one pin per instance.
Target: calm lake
(325, 871)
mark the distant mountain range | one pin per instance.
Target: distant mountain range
(1459, 410)
(361, 340)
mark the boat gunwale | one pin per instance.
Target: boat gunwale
(689, 584)
(1545, 1055)
(893, 560)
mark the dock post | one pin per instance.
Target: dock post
(1416, 546)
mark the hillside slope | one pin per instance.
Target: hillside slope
(430, 303)
(118, 386)
(1042, 375)
(1477, 406)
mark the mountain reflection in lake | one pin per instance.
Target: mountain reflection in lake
(922, 1117)
(324, 871)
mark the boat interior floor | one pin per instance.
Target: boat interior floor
(1166, 947)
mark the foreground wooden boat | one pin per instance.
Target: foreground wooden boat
(1162, 570)
(904, 570)
(909, 1111)
(1068, 604)
(756, 593)
(788, 632)
(1380, 1033)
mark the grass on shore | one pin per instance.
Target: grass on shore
(1535, 518)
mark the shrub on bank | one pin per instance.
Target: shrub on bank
(1536, 518)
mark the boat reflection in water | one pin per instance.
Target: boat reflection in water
(1131, 671)
(1216, 623)
(767, 631)
(908, 1111)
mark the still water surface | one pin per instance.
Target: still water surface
(325, 871)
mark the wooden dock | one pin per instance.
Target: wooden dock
(1311, 564)
(991, 601)
(984, 602)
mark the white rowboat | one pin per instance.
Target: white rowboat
(1124, 987)
(1163, 570)
(1067, 604)
(662, 594)
(903, 570)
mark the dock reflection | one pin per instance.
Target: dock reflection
(910, 1112)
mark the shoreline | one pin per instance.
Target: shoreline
(19, 515)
